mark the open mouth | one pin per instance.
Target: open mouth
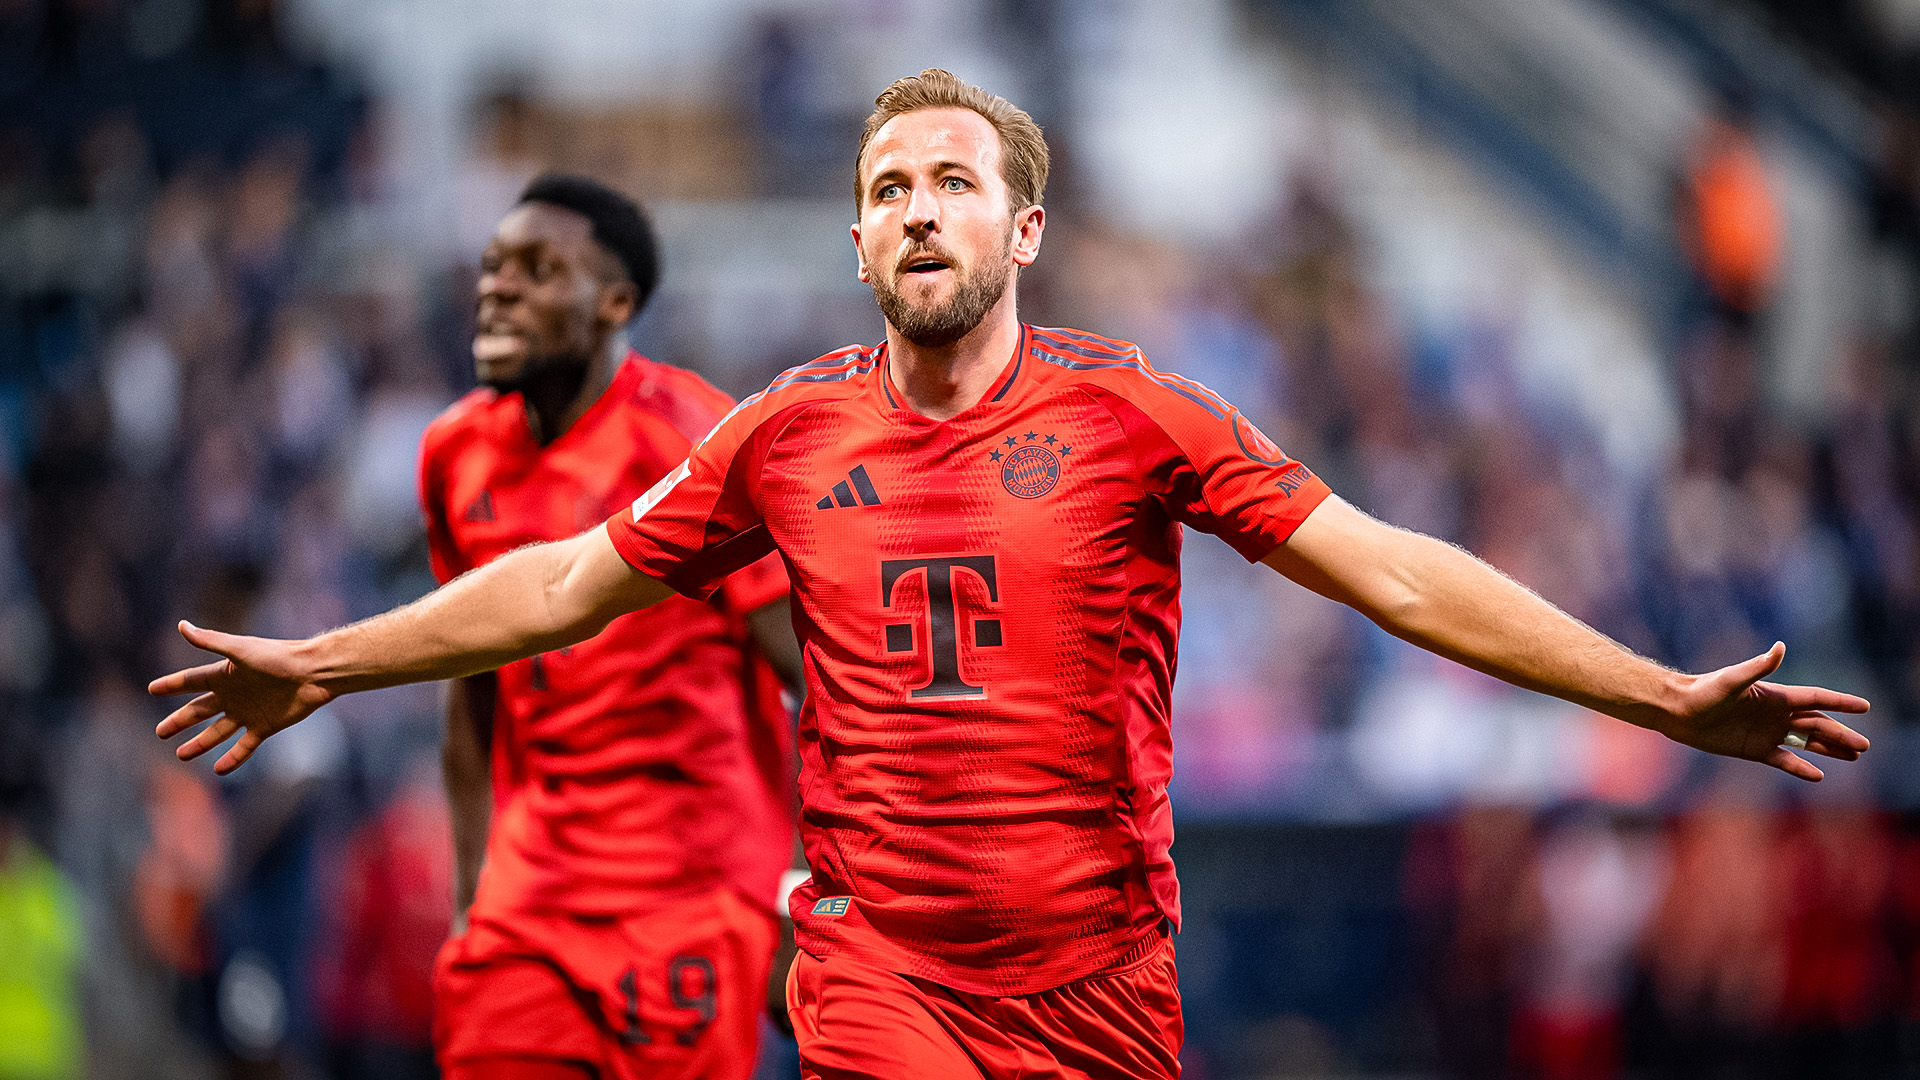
(928, 266)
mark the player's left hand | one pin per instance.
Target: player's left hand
(1732, 712)
(255, 689)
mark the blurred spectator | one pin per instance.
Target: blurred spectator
(1471, 889)
(1840, 973)
(390, 903)
(1715, 951)
(1731, 221)
(132, 986)
(41, 940)
(1598, 885)
(504, 153)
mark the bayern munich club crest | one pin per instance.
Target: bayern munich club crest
(1029, 463)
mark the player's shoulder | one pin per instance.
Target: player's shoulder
(682, 398)
(475, 416)
(840, 375)
(1076, 357)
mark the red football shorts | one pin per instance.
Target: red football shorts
(674, 991)
(858, 1021)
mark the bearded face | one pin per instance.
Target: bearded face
(928, 320)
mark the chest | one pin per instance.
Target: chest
(1034, 499)
(497, 499)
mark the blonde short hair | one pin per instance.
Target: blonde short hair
(1023, 149)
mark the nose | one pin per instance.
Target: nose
(923, 211)
(501, 284)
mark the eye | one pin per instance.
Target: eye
(544, 269)
(889, 191)
(490, 262)
(954, 183)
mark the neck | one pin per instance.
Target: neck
(941, 382)
(557, 397)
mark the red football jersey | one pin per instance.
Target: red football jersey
(989, 607)
(654, 756)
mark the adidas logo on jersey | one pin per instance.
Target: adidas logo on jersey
(481, 509)
(843, 494)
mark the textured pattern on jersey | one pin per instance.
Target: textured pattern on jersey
(653, 756)
(990, 643)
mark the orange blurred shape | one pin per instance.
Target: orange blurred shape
(1736, 226)
(180, 868)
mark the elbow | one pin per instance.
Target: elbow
(1403, 598)
(1401, 605)
(574, 609)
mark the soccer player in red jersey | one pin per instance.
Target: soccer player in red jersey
(982, 520)
(639, 795)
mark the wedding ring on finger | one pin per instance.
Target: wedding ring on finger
(1794, 741)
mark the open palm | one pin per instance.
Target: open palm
(1732, 712)
(255, 689)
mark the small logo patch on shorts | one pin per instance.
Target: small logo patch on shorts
(835, 906)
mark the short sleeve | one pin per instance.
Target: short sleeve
(442, 553)
(754, 586)
(701, 521)
(1210, 466)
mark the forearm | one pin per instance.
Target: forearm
(529, 601)
(464, 762)
(1441, 598)
(772, 627)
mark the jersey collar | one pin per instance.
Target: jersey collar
(1003, 383)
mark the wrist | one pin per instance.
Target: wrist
(313, 666)
(1662, 703)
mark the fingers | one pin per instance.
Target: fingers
(1792, 764)
(212, 735)
(1828, 736)
(209, 737)
(211, 640)
(203, 708)
(1816, 697)
(238, 754)
(1748, 672)
(187, 681)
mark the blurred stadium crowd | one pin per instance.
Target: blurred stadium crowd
(216, 360)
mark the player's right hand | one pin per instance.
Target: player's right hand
(256, 689)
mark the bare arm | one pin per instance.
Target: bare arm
(466, 766)
(1441, 598)
(532, 600)
(772, 626)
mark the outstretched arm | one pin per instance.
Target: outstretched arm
(1441, 598)
(466, 767)
(532, 600)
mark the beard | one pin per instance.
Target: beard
(975, 294)
(562, 377)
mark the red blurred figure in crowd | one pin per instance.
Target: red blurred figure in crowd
(390, 902)
(637, 785)
(1840, 984)
(1731, 222)
(983, 521)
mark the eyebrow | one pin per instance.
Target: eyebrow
(938, 167)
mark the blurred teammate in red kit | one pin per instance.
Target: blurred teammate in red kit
(637, 782)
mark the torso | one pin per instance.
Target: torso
(649, 757)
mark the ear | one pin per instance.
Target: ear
(1028, 224)
(864, 274)
(619, 302)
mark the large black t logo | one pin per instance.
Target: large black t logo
(943, 619)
